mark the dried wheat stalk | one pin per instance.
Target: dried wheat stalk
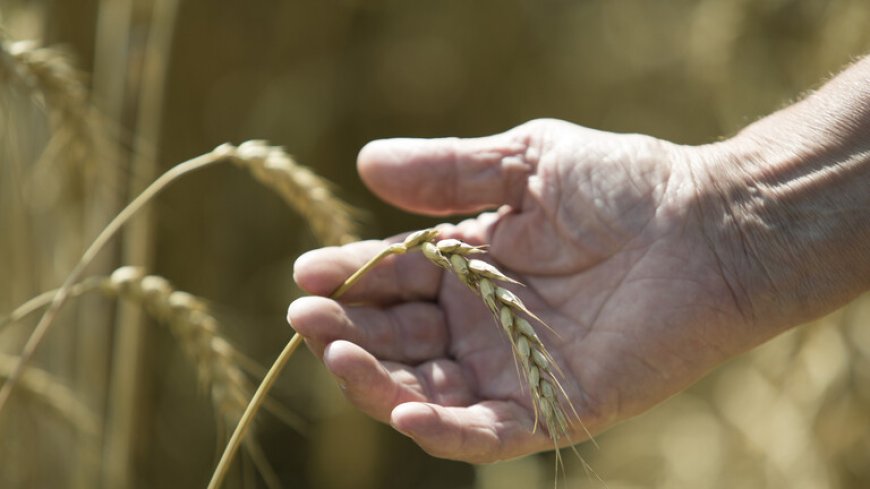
(330, 219)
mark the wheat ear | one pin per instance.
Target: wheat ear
(538, 368)
(536, 363)
(331, 220)
(47, 75)
(197, 331)
(220, 367)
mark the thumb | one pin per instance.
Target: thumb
(450, 175)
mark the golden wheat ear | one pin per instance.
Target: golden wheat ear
(221, 368)
(332, 221)
(537, 365)
(217, 362)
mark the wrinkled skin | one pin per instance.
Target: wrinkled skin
(606, 232)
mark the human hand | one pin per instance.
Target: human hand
(604, 230)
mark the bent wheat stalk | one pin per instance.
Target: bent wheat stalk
(539, 369)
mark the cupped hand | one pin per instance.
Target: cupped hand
(605, 231)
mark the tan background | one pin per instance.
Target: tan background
(321, 78)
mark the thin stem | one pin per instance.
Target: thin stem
(109, 83)
(107, 234)
(223, 466)
(127, 357)
(45, 298)
(392, 250)
(220, 472)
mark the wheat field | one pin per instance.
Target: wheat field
(149, 363)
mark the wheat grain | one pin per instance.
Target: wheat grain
(330, 219)
(537, 367)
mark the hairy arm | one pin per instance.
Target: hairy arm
(786, 204)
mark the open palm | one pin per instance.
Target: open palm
(606, 233)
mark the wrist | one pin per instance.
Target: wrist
(787, 214)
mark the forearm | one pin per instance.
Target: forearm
(789, 204)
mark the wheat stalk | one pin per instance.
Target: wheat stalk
(220, 367)
(257, 400)
(298, 186)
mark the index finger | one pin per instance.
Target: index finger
(397, 278)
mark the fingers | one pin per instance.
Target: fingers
(450, 175)
(479, 433)
(409, 332)
(376, 388)
(397, 278)
(434, 404)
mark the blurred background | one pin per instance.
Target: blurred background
(120, 403)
